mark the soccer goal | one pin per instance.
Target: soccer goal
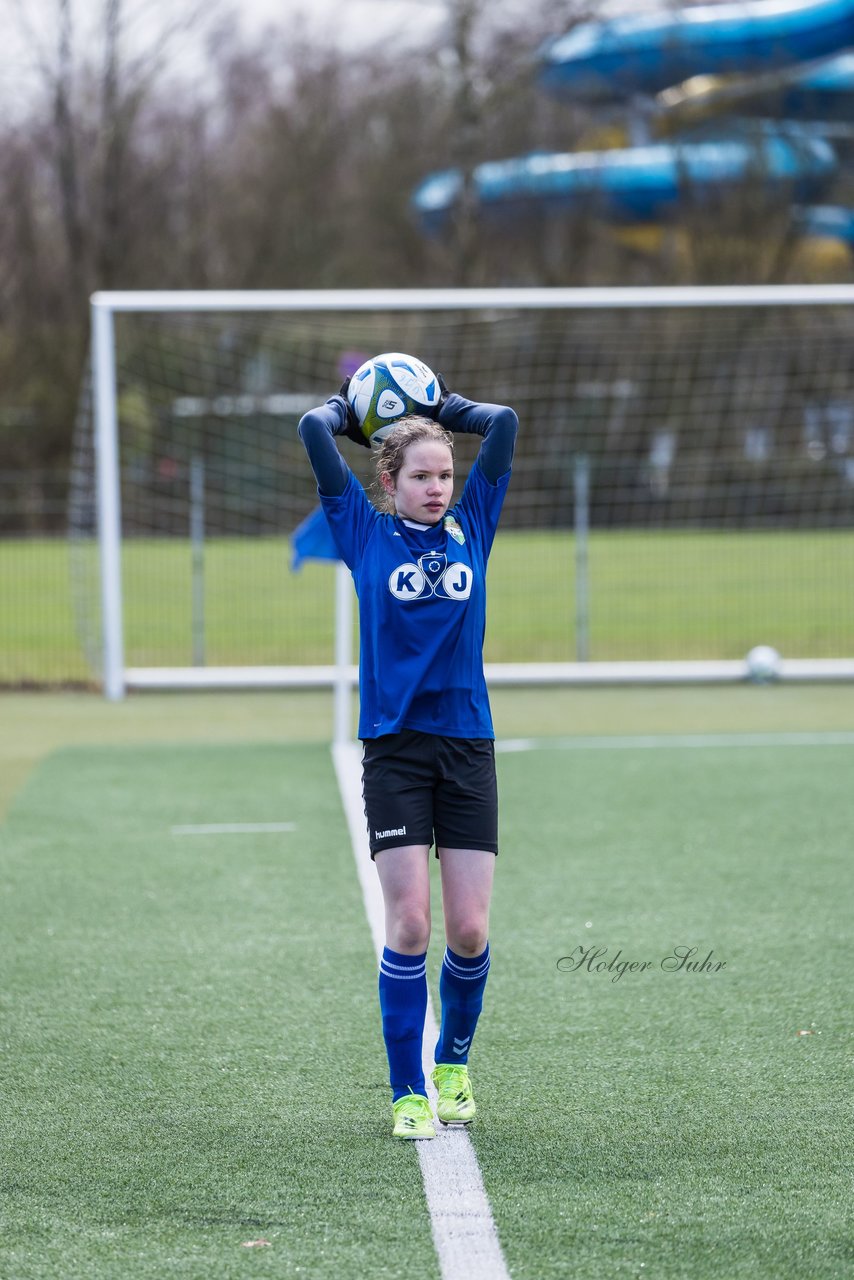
(683, 489)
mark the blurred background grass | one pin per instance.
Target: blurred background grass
(653, 596)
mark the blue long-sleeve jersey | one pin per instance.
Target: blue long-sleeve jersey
(422, 591)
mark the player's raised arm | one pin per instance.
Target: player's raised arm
(318, 429)
(495, 422)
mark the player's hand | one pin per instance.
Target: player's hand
(443, 392)
(352, 428)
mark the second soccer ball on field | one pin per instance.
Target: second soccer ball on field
(763, 664)
(390, 387)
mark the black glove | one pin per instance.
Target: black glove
(352, 428)
(443, 392)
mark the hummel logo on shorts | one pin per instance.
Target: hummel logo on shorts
(392, 831)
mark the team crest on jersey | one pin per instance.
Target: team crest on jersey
(431, 576)
(433, 564)
(454, 530)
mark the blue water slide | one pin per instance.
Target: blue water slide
(826, 222)
(639, 184)
(825, 92)
(645, 53)
(821, 93)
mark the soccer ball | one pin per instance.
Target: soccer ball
(390, 387)
(763, 664)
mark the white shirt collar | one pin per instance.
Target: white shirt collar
(413, 524)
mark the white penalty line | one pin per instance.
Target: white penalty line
(461, 1219)
(232, 828)
(661, 741)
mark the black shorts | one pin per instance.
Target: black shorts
(420, 788)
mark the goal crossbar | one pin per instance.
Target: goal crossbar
(118, 677)
(475, 299)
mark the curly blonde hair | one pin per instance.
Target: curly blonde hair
(392, 452)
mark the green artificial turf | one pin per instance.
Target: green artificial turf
(177, 1011)
(34, 724)
(191, 1058)
(671, 1123)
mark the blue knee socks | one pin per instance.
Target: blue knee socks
(461, 984)
(403, 1004)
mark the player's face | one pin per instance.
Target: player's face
(423, 487)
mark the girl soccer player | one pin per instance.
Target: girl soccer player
(419, 567)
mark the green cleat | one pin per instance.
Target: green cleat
(456, 1104)
(413, 1117)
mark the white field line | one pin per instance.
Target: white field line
(233, 828)
(659, 741)
(460, 1216)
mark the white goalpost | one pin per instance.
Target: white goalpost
(686, 461)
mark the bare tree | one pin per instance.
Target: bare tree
(65, 152)
(70, 187)
(288, 163)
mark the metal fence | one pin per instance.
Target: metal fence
(39, 644)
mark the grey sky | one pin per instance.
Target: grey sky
(30, 28)
(354, 21)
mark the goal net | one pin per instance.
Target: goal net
(683, 489)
